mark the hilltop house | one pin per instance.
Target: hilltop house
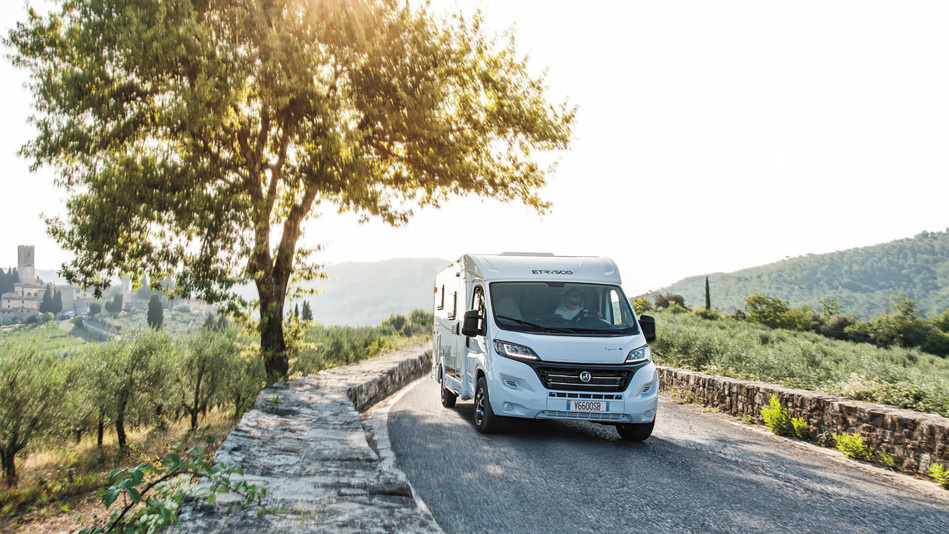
(27, 295)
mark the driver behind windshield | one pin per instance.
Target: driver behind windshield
(573, 300)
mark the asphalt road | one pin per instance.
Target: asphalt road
(699, 472)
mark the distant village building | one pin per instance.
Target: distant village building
(27, 295)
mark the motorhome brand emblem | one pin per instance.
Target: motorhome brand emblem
(548, 271)
(585, 376)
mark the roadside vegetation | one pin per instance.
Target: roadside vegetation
(903, 377)
(73, 409)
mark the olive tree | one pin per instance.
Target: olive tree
(195, 137)
(31, 387)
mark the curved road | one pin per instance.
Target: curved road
(699, 472)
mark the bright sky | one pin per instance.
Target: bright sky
(711, 136)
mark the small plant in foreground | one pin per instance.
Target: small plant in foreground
(940, 474)
(778, 422)
(152, 492)
(852, 446)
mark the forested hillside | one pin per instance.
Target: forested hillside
(862, 280)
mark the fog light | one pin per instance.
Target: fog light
(508, 407)
(648, 416)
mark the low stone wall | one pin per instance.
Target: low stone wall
(913, 439)
(303, 441)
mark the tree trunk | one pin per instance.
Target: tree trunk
(194, 406)
(120, 422)
(273, 346)
(101, 429)
(7, 456)
(237, 405)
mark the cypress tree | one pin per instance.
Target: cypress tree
(708, 298)
(57, 302)
(156, 315)
(47, 304)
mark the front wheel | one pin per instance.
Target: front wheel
(485, 420)
(448, 398)
(637, 431)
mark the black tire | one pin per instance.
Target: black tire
(485, 420)
(448, 398)
(637, 431)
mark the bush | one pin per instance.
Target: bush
(940, 474)
(941, 321)
(836, 325)
(777, 420)
(852, 446)
(711, 315)
(641, 306)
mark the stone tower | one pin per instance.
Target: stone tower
(26, 265)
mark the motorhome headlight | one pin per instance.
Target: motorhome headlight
(642, 354)
(514, 351)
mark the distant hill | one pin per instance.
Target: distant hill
(863, 280)
(358, 294)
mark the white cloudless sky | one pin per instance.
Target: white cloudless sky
(711, 136)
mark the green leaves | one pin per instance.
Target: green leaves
(166, 482)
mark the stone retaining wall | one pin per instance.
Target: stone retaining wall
(913, 439)
(303, 441)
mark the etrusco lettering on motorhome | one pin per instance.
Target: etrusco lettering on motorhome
(539, 336)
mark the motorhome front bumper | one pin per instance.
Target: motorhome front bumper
(604, 393)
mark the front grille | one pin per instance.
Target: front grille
(586, 416)
(568, 379)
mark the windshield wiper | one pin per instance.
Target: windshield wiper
(537, 326)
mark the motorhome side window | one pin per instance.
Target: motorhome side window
(441, 305)
(454, 305)
(559, 308)
(619, 313)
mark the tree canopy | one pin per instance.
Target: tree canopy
(195, 137)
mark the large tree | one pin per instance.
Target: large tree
(195, 137)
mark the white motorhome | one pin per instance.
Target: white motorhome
(540, 336)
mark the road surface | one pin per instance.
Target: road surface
(699, 472)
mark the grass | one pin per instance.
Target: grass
(906, 378)
(58, 337)
(61, 480)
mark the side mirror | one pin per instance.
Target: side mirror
(648, 325)
(473, 324)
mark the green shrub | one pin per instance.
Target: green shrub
(940, 474)
(778, 422)
(711, 315)
(641, 306)
(852, 446)
(800, 428)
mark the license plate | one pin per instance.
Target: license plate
(588, 406)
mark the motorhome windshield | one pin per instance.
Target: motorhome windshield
(562, 308)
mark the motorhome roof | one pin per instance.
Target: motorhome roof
(534, 266)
